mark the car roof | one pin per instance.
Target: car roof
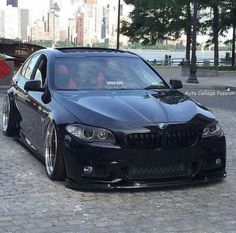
(87, 51)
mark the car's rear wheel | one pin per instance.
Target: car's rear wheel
(54, 161)
(7, 117)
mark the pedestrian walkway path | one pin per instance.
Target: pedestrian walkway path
(204, 82)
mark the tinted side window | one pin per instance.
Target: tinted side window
(41, 70)
(23, 69)
(30, 66)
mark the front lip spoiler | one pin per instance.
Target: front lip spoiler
(118, 185)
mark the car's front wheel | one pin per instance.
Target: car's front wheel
(54, 161)
(7, 117)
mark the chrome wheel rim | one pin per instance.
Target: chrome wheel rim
(51, 149)
(5, 114)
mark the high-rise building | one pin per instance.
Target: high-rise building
(96, 22)
(80, 29)
(51, 4)
(11, 24)
(37, 31)
(45, 29)
(107, 21)
(55, 5)
(14, 27)
(90, 36)
(13, 3)
(53, 26)
(23, 23)
(1, 23)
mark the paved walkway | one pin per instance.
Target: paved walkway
(30, 202)
(204, 82)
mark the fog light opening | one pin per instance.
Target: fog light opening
(218, 162)
(88, 170)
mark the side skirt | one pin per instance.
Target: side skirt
(26, 142)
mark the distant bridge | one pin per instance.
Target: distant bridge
(17, 49)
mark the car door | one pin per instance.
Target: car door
(39, 108)
(35, 110)
(21, 96)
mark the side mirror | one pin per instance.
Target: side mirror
(176, 84)
(33, 85)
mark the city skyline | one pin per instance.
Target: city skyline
(78, 21)
(59, 20)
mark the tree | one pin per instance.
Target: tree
(157, 20)
(233, 22)
(215, 23)
(216, 30)
(229, 22)
(44, 43)
(64, 43)
(153, 21)
(188, 31)
(233, 43)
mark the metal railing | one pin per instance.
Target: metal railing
(182, 62)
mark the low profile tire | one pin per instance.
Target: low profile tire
(8, 123)
(54, 161)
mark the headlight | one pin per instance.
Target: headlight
(212, 130)
(90, 134)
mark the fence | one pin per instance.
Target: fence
(182, 62)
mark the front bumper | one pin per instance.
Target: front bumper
(116, 168)
(119, 184)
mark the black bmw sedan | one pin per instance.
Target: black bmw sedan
(104, 118)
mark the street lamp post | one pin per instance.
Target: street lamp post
(118, 27)
(193, 66)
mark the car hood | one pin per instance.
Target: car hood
(132, 108)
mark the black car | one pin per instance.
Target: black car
(104, 118)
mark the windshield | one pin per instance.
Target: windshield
(89, 73)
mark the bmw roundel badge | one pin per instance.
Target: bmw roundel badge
(161, 125)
